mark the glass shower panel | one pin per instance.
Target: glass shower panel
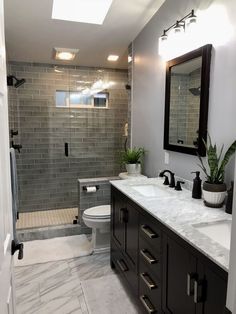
(43, 131)
(98, 113)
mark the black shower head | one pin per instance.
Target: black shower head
(196, 91)
(19, 83)
(10, 81)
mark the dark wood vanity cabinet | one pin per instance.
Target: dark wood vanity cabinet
(124, 239)
(163, 272)
(191, 284)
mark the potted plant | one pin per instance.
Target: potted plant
(214, 188)
(132, 159)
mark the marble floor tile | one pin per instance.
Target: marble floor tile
(27, 292)
(93, 266)
(54, 271)
(103, 293)
(56, 287)
(63, 305)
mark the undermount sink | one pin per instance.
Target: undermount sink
(219, 231)
(151, 190)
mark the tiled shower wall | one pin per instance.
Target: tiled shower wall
(47, 178)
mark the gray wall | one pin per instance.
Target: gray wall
(149, 89)
(48, 179)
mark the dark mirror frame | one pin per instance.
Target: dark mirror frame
(205, 53)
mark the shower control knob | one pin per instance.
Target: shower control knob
(13, 132)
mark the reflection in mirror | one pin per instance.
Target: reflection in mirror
(185, 90)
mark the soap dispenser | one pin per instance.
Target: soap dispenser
(197, 186)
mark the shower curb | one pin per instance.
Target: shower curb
(49, 232)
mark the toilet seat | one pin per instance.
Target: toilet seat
(98, 212)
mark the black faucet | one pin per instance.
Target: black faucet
(172, 177)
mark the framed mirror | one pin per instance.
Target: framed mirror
(186, 102)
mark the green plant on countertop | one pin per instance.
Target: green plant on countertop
(132, 155)
(216, 164)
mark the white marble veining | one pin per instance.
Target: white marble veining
(56, 287)
(179, 211)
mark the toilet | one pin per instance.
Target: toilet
(98, 218)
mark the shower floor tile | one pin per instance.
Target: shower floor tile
(46, 218)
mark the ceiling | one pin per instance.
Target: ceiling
(31, 34)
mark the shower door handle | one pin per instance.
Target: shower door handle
(66, 149)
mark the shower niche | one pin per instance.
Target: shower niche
(186, 102)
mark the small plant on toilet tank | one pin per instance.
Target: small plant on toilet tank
(132, 158)
(214, 188)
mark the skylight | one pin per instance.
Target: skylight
(83, 11)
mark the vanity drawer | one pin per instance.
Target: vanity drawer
(149, 298)
(149, 290)
(149, 258)
(150, 232)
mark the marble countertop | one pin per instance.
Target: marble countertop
(178, 211)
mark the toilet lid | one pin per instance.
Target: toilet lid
(103, 211)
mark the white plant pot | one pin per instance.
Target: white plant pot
(133, 169)
(214, 198)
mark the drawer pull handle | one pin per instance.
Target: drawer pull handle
(122, 265)
(198, 291)
(148, 231)
(147, 304)
(190, 285)
(148, 281)
(123, 215)
(148, 257)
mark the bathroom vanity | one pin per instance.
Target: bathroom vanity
(162, 251)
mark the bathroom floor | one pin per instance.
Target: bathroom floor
(46, 218)
(58, 287)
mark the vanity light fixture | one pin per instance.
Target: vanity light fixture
(178, 28)
(112, 58)
(64, 54)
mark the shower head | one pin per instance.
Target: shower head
(19, 83)
(196, 91)
(10, 81)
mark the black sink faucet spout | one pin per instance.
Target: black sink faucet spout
(172, 177)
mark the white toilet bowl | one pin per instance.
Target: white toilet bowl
(98, 218)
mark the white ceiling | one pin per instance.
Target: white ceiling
(31, 34)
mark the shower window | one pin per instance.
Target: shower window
(65, 99)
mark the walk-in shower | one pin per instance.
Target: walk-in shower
(70, 122)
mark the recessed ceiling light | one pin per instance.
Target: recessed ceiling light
(112, 58)
(65, 54)
(84, 11)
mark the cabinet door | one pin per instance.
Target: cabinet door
(118, 225)
(211, 291)
(131, 234)
(179, 267)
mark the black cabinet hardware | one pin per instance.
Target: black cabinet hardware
(122, 214)
(122, 265)
(190, 283)
(149, 232)
(147, 304)
(148, 257)
(198, 295)
(148, 281)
